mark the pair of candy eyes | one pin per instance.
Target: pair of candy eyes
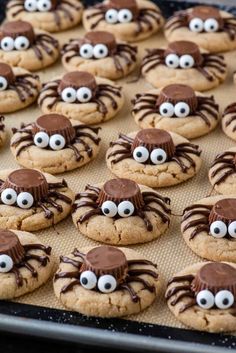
(99, 51)
(55, 142)
(20, 43)
(224, 299)
(219, 229)
(198, 25)
(122, 16)
(157, 156)
(70, 95)
(124, 209)
(105, 283)
(181, 109)
(23, 199)
(38, 5)
(184, 61)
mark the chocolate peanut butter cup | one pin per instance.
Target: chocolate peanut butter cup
(118, 190)
(205, 13)
(183, 47)
(124, 4)
(11, 246)
(7, 73)
(55, 124)
(224, 210)
(101, 37)
(15, 29)
(214, 277)
(77, 80)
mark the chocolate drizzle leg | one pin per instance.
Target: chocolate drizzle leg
(200, 224)
(229, 117)
(222, 167)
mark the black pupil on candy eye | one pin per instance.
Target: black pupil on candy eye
(5, 44)
(107, 286)
(216, 230)
(25, 202)
(85, 51)
(22, 45)
(106, 211)
(8, 197)
(3, 264)
(84, 281)
(68, 95)
(196, 26)
(85, 95)
(139, 154)
(225, 301)
(126, 211)
(182, 110)
(186, 63)
(57, 142)
(165, 111)
(159, 158)
(212, 27)
(39, 140)
(171, 62)
(101, 51)
(203, 301)
(1, 85)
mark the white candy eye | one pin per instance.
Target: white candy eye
(111, 16)
(88, 280)
(140, 154)
(84, 94)
(86, 51)
(8, 196)
(22, 43)
(125, 16)
(172, 61)
(125, 209)
(224, 299)
(182, 110)
(109, 209)
(205, 299)
(30, 5)
(6, 263)
(3, 83)
(196, 25)
(211, 25)
(7, 44)
(186, 61)
(44, 5)
(57, 142)
(166, 109)
(25, 200)
(232, 229)
(218, 229)
(100, 51)
(41, 139)
(68, 95)
(158, 156)
(107, 284)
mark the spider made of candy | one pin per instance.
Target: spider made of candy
(213, 287)
(29, 189)
(154, 147)
(122, 198)
(105, 269)
(55, 132)
(15, 256)
(218, 220)
(222, 167)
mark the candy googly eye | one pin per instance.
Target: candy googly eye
(140, 154)
(107, 284)
(88, 280)
(30, 5)
(3, 83)
(68, 95)
(84, 94)
(196, 25)
(218, 229)
(41, 139)
(111, 16)
(224, 299)
(100, 51)
(186, 61)
(211, 25)
(8, 196)
(25, 200)
(7, 44)
(22, 43)
(172, 61)
(125, 209)
(167, 109)
(44, 5)
(125, 16)
(109, 209)
(6, 263)
(232, 229)
(182, 110)
(158, 156)
(205, 299)
(57, 142)
(86, 51)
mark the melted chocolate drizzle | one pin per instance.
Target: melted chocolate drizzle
(226, 166)
(201, 224)
(229, 116)
(24, 87)
(2, 126)
(43, 43)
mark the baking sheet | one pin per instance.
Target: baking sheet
(169, 252)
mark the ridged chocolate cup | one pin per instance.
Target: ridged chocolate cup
(55, 124)
(118, 190)
(15, 29)
(176, 93)
(215, 276)
(106, 260)
(184, 47)
(101, 37)
(206, 12)
(155, 138)
(27, 180)
(7, 72)
(223, 210)
(10, 245)
(78, 79)
(124, 4)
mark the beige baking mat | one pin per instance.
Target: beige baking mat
(169, 252)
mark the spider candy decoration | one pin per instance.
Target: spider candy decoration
(122, 198)
(105, 269)
(222, 167)
(14, 256)
(229, 121)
